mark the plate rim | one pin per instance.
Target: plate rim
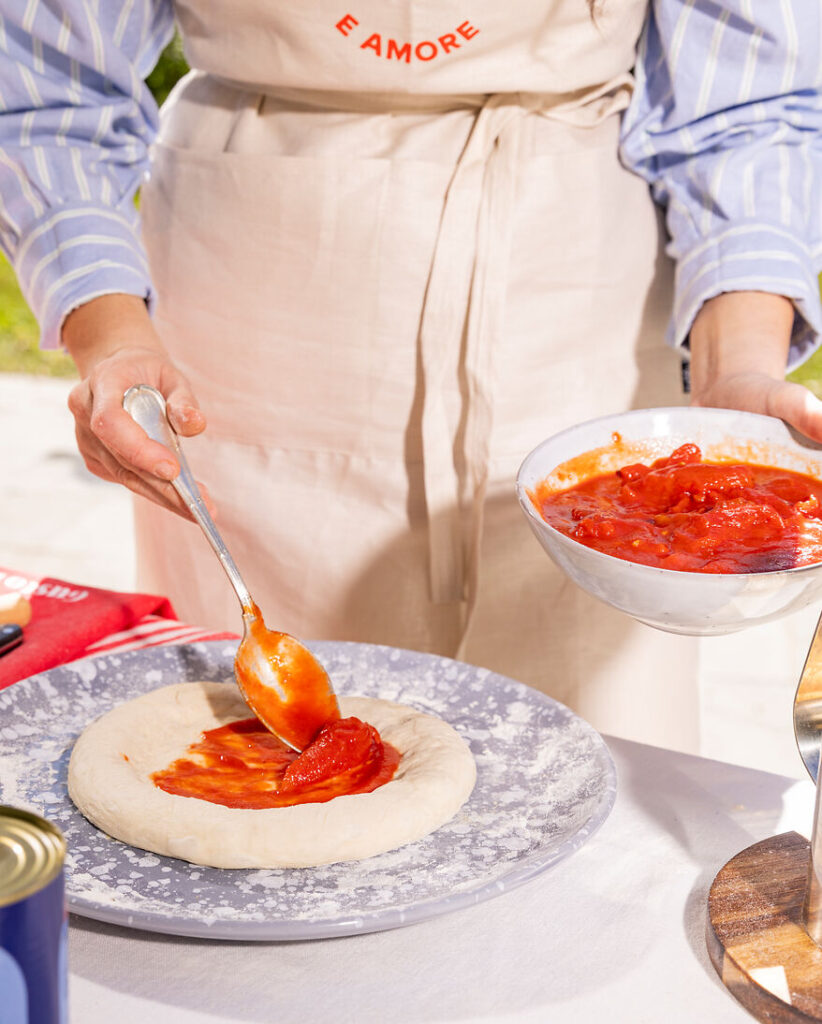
(307, 929)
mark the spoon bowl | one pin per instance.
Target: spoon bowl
(266, 665)
(280, 679)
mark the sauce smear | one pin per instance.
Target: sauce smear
(242, 764)
(682, 513)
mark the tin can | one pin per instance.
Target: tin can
(33, 920)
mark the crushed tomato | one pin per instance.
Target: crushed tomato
(242, 764)
(683, 513)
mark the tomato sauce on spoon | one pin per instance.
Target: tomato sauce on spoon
(282, 682)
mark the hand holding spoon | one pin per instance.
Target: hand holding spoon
(280, 679)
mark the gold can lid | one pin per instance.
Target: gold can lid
(32, 851)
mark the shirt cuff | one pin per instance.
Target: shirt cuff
(750, 257)
(74, 254)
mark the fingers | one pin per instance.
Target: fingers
(102, 463)
(799, 407)
(118, 432)
(101, 418)
(115, 448)
(760, 393)
(183, 412)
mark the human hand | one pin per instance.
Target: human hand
(739, 347)
(115, 346)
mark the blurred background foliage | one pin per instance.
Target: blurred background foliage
(19, 352)
(19, 334)
(170, 67)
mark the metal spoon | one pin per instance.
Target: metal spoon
(807, 705)
(280, 679)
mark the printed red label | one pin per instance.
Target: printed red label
(403, 50)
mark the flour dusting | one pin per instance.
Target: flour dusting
(545, 782)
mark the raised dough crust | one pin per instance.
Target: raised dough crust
(112, 760)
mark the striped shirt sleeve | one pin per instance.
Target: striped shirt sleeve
(726, 126)
(76, 121)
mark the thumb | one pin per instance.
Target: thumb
(799, 407)
(184, 411)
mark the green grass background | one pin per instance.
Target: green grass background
(19, 351)
(19, 334)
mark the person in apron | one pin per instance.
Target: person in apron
(391, 251)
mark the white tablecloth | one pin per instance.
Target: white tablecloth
(615, 933)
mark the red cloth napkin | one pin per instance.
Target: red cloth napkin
(69, 621)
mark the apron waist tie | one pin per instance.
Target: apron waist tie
(467, 274)
(463, 313)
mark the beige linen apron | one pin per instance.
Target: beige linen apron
(394, 249)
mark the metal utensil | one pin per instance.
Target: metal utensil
(279, 678)
(807, 705)
(807, 725)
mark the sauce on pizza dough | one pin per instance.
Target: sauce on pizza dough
(242, 764)
(683, 513)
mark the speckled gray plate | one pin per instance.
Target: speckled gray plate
(545, 782)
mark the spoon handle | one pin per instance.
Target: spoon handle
(147, 407)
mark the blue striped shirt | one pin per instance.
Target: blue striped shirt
(725, 125)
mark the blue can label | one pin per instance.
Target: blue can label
(33, 935)
(62, 974)
(14, 1004)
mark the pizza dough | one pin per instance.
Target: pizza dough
(110, 768)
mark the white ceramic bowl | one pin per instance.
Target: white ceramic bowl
(680, 602)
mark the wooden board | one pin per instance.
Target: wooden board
(755, 936)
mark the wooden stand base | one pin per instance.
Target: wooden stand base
(755, 936)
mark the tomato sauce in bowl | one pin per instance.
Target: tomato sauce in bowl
(683, 513)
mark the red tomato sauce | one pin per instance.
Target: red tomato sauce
(242, 764)
(307, 699)
(683, 513)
